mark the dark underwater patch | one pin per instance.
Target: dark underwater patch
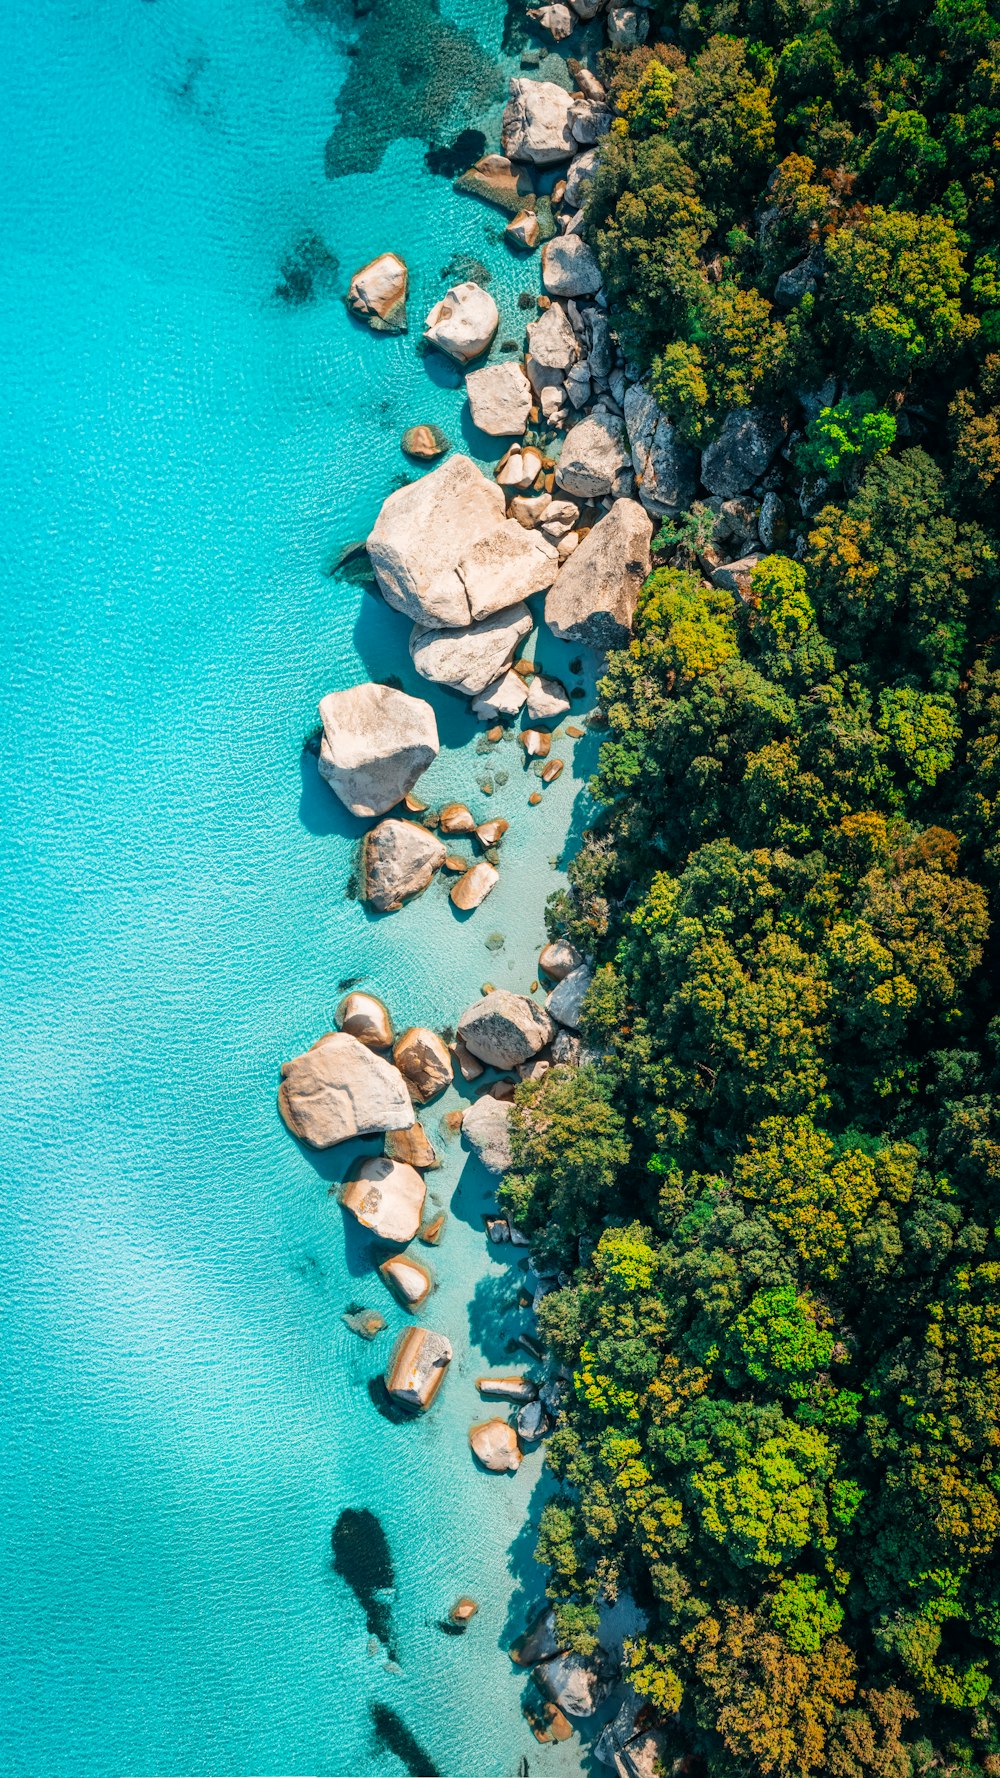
(307, 272)
(458, 157)
(363, 1560)
(392, 1733)
(440, 77)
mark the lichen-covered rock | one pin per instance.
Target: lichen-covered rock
(378, 294)
(627, 26)
(385, 1197)
(495, 181)
(425, 442)
(523, 231)
(469, 660)
(532, 1422)
(503, 1029)
(408, 1280)
(473, 886)
(594, 597)
(569, 267)
(742, 451)
(365, 1017)
(376, 742)
(565, 1003)
(463, 323)
(486, 1126)
(417, 1367)
(666, 469)
(399, 860)
(594, 455)
(499, 398)
(553, 349)
(424, 1061)
(589, 120)
(536, 123)
(495, 1444)
(340, 1089)
(559, 959)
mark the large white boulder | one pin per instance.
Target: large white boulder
(495, 1444)
(378, 294)
(486, 1125)
(546, 698)
(385, 1197)
(505, 697)
(376, 742)
(365, 1017)
(471, 659)
(536, 123)
(553, 349)
(666, 469)
(399, 859)
(569, 267)
(594, 599)
(463, 323)
(576, 1685)
(565, 1002)
(499, 398)
(503, 1029)
(595, 453)
(340, 1089)
(417, 1367)
(444, 551)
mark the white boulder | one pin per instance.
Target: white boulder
(499, 398)
(569, 267)
(594, 599)
(463, 323)
(399, 859)
(378, 294)
(536, 123)
(546, 698)
(553, 349)
(565, 1003)
(407, 1279)
(340, 1089)
(505, 697)
(365, 1017)
(386, 1197)
(503, 1029)
(486, 1125)
(495, 1444)
(376, 742)
(471, 659)
(473, 886)
(594, 454)
(509, 565)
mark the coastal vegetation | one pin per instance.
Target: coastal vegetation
(773, 1188)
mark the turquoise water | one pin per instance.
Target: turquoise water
(186, 1414)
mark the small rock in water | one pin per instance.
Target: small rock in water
(368, 1323)
(463, 1610)
(432, 1231)
(425, 442)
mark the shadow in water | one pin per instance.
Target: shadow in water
(393, 1736)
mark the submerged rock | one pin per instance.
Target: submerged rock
(594, 598)
(339, 1089)
(363, 1559)
(417, 1367)
(376, 743)
(378, 294)
(386, 1197)
(495, 1444)
(399, 860)
(425, 442)
(504, 1029)
(463, 323)
(424, 1061)
(365, 1017)
(486, 1126)
(367, 1323)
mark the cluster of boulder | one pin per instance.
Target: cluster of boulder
(569, 1687)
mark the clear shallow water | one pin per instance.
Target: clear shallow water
(186, 1413)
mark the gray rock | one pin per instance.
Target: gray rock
(552, 349)
(532, 1422)
(579, 177)
(577, 1686)
(627, 26)
(595, 452)
(499, 399)
(503, 1029)
(536, 123)
(569, 267)
(589, 121)
(471, 659)
(772, 523)
(486, 1124)
(399, 860)
(735, 577)
(745, 446)
(340, 1089)
(565, 1003)
(594, 598)
(463, 323)
(666, 469)
(539, 1642)
(647, 1755)
(558, 20)
(376, 742)
(799, 280)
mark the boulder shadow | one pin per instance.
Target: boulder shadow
(321, 812)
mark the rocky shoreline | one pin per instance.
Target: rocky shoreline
(585, 465)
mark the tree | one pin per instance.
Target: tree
(892, 294)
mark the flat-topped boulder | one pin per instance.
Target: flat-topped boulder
(486, 1126)
(376, 742)
(463, 323)
(569, 267)
(340, 1089)
(747, 441)
(565, 1003)
(499, 398)
(424, 1061)
(495, 1444)
(365, 1017)
(378, 294)
(512, 1387)
(503, 1029)
(399, 859)
(594, 598)
(537, 123)
(386, 1197)
(417, 1367)
(594, 455)
(559, 958)
(666, 469)
(409, 1281)
(469, 660)
(444, 551)
(474, 885)
(553, 349)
